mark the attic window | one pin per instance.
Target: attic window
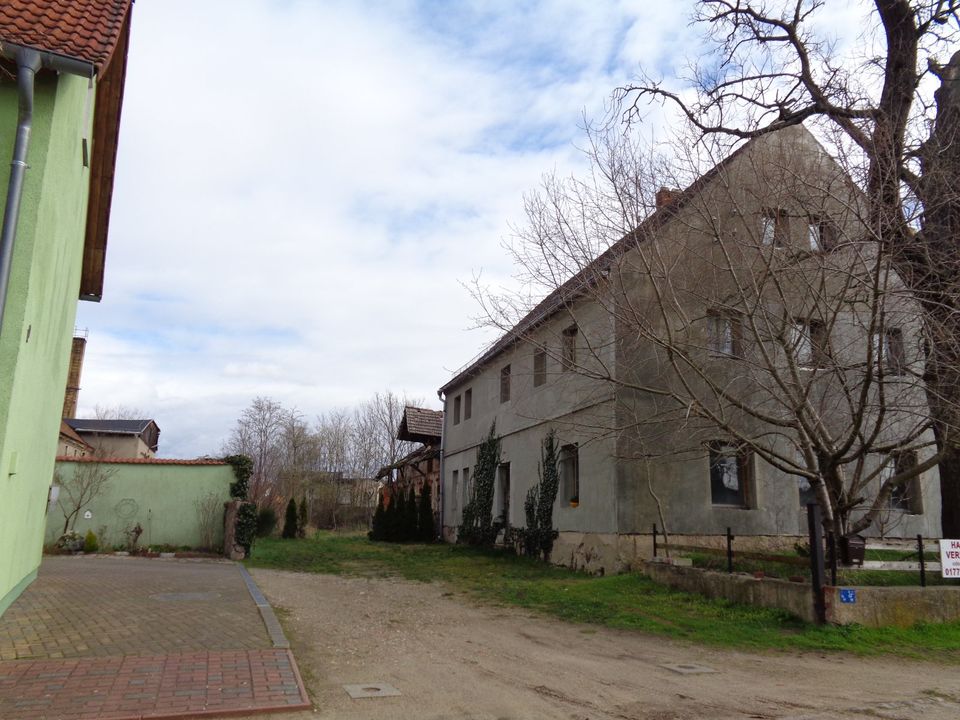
(774, 229)
(570, 348)
(539, 367)
(505, 384)
(467, 404)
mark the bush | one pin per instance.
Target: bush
(410, 517)
(266, 521)
(290, 521)
(425, 519)
(70, 540)
(246, 526)
(378, 530)
(90, 544)
(242, 470)
(302, 519)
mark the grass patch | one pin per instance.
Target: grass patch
(628, 602)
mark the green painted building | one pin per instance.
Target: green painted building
(61, 90)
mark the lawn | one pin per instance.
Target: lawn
(629, 602)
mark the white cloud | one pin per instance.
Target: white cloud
(302, 187)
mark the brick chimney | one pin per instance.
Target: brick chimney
(72, 394)
(666, 196)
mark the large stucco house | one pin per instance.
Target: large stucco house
(61, 90)
(640, 425)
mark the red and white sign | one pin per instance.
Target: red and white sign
(950, 558)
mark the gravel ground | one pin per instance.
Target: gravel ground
(453, 658)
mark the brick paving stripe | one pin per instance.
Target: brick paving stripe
(132, 638)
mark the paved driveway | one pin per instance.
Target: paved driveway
(111, 637)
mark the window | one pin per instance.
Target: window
(505, 383)
(467, 404)
(730, 475)
(570, 473)
(456, 410)
(891, 351)
(906, 494)
(821, 234)
(724, 333)
(569, 349)
(466, 486)
(773, 228)
(454, 495)
(539, 367)
(809, 343)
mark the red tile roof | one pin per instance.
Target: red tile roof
(139, 461)
(83, 29)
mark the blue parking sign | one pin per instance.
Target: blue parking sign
(848, 595)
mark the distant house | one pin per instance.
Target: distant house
(59, 126)
(420, 466)
(118, 438)
(71, 445)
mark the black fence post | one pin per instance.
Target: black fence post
(923, 562)
(654, 539)
(729, 551)
(832, 547)
(817, 579)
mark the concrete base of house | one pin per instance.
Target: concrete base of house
(7, 600)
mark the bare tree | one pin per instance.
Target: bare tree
(892, 114)
(119, 412)
(209, 517)
(78, 489)
(257, 434)
(751, 314)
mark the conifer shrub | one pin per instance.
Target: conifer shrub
(477, 526)
(290, 521)
(425, 515)
(302, 519)
(378, 529)
(411, 530)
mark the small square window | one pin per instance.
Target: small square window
(569, 349)
(724, 333)
(774, 229)
(467, 404)
(570, 473)
(730, 475)
(505, 383)
(539, 367)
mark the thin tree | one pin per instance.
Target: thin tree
(87, 482)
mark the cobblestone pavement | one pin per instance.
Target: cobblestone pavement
(98, 638)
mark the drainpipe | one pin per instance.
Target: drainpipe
(28, 61)
(443, 440)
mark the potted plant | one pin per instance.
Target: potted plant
(575, 501)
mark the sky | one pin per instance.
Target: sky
(303, 190)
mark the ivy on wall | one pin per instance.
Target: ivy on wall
(242, 470)
(477, 526)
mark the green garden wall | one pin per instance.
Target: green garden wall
(40, 311)
(158, 494)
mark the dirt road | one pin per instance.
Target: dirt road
(451, 658)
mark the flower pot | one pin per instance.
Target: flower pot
(574, 503)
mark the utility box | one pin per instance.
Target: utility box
(853, 549)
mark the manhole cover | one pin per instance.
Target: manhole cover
(371, 690)
(185, 596)
(689, 668)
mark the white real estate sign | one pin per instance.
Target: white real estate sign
(950, 558)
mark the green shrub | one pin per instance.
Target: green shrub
(290, 521)
(245, 529)
(266, 521)
(378, 529)
(425, 519)
(90, 544)
(302, 519)
(410, 517)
